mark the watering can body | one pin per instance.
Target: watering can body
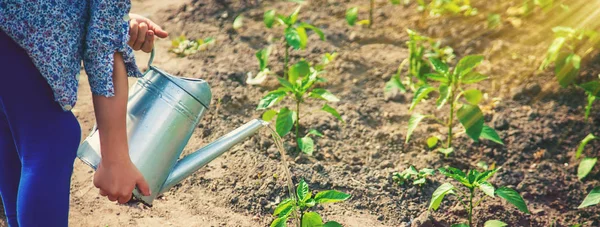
(162, 113)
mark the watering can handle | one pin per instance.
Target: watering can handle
(151, 58)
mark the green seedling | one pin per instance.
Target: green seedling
(352, 14)
(419, 49)
(566, 52)
(299, 87)
(182, 46)
(418, 177)
(451, 90)
(586, 164)
(299, 208)
(592, 90)
(474, 181)
(442, 7)
(591, 199)
(295, 35)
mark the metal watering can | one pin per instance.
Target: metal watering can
(162, 113)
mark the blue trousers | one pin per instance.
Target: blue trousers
(38, 143)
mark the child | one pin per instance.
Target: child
(42, 45)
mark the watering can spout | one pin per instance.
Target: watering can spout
(193, 162)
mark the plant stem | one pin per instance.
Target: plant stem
(371, 13)
(286, 60)
(470, 211)
(451, 119)
(297, 124)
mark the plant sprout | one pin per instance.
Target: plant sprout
(418, 177)
(586, 164)
(352, 14)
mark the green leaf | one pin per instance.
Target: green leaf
(303, 37)
(419, 181)
(307, 145)
(284, 122)
(412, 124)
(438, 195)
(286, 84)
(284, 208)
(490, 134)
(302, 191)
(591, 199)
(513, 197)
(432, 142)
(438, 65)
(567, 69)
(420, 94)
(279, 222)
(487, 188)
(298, 70)
(473, 96)
(324, 94)
(395, 2)
(592, 87)
(315, 132)
(314, 29)
(446, 151)
(394, 84)
(473, 77)
(584, 142)
(437, 77)
(486, 175)
(263, 58)
(494, 223)
(294, 16)
(467, 64)
(332, 224)
(585, 167)
(238, 22)
(311, 219)
(460, 225)
(331, 196)
(456, 174)
(271, 99)
(269, 115)
(553, 51)
(310, 202)
(471, 117)
(332, 111)
(269, 18)
(445, 91)
(293, 38)
(352, 16)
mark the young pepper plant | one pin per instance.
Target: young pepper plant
(305, 201)
(352, 14)
(591, 199)
(566, 52)
(419, 49)
(474, 181)
(299, 87)
(451, 91)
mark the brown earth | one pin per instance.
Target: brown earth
(540, 124)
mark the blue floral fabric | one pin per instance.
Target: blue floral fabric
(59, 34)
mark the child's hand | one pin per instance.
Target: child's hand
(142, 31)
(116, 180)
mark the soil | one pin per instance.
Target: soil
(540, 123)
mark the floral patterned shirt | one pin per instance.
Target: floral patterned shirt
(59, 34)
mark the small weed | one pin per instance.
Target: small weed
(182, 46)
(418, 177)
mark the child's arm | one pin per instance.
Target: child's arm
(116, 175)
